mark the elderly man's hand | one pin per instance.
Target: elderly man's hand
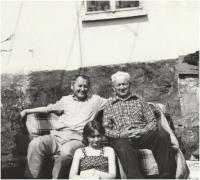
(136, 133)
(132, 133)
(125, 133)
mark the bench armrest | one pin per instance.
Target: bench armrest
(39, 124)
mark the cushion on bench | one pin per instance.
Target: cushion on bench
(39, 124)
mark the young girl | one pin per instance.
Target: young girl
(95, 160)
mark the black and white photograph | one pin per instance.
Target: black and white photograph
(103, 89)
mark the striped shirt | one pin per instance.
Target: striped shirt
(130, 112)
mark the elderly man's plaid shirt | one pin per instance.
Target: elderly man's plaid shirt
(131, 112)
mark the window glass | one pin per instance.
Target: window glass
(98, 6)
(126, 4)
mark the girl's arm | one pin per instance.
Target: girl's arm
(109, 152)
(75, 165)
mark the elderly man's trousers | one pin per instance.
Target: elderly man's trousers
(158, 142)
(47, 146)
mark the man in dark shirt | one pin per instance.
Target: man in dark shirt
(130, 125)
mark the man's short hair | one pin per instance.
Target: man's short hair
(82, 76)
(118, 74)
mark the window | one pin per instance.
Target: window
(103, 6)
(93, 6)
(126, 4)
(112, 9)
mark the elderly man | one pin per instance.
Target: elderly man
(131, 125)
(77, 109)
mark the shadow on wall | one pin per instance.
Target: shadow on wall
(111, 22)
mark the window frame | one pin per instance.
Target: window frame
(95, 12)
(115, 13)
(129, 8)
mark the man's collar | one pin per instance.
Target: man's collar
(76, 99)
(117, 98)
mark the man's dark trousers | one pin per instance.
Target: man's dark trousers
(158, 142)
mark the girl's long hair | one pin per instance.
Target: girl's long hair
(89, 130)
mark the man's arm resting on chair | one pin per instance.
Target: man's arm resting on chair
(39, 110)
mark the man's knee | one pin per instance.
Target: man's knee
(163, 136)
(68, 149)
(41, 144)
(66, 152)
(63, 159)
(35, 143)
(122, 147)
(119, 145)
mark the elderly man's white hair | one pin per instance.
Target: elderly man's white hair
(118, 74)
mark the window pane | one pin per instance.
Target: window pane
(126, 4)
(98, 5)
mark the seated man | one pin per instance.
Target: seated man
(131, 125)
(77, 109)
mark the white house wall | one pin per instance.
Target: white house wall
(47, 37)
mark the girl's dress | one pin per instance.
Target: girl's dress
(99, 163)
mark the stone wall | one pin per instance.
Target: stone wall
(189, 98)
